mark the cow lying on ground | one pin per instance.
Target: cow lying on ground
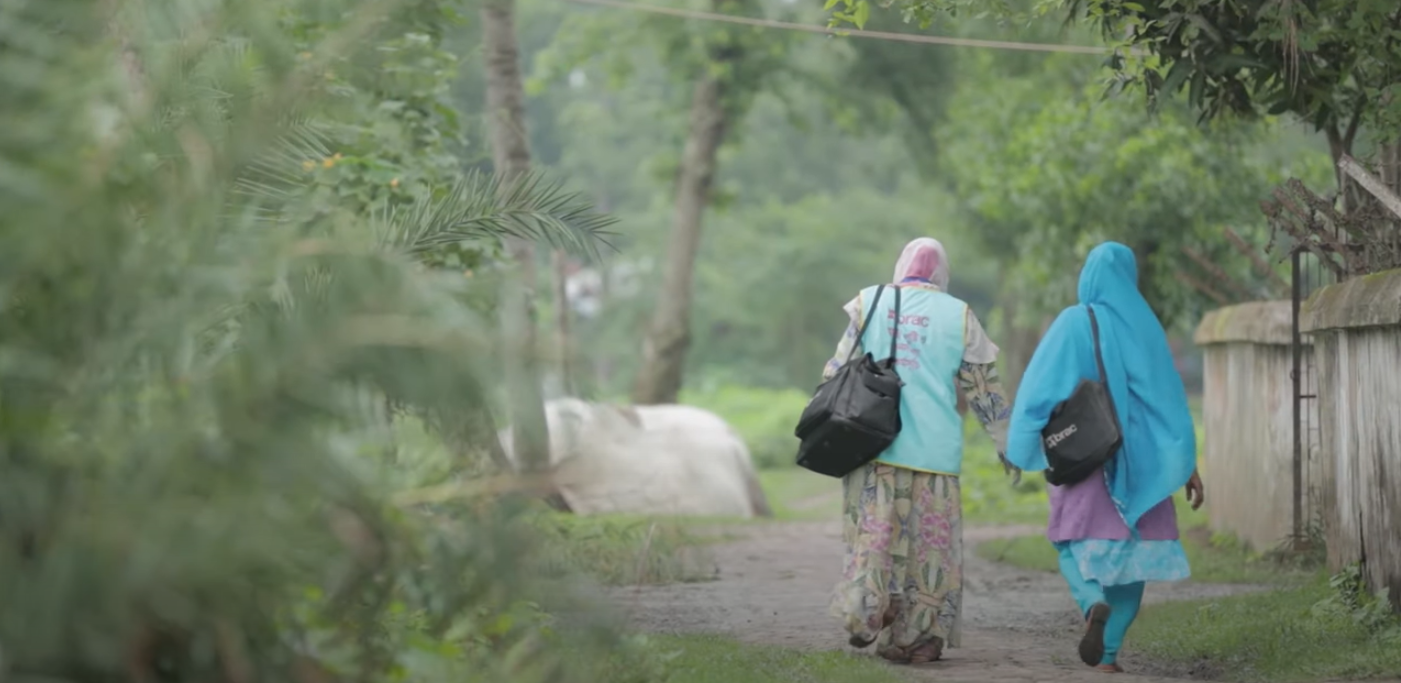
(666, 460)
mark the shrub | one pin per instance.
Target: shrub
(199, 345)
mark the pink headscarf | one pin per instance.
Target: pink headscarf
(923, 258)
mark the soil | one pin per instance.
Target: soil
(773, 582)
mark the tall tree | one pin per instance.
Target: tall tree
(669, 334)
(725, 79)
(510, 154)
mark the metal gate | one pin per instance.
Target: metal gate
(1307, 275)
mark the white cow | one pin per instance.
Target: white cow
(668, 460)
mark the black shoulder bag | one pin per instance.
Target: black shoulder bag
(1083, 433)
(855, 415)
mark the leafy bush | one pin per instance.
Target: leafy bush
(218, 377)
(1350, 599)
(763, 417)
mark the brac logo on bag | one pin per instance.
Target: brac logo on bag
(1062, 435)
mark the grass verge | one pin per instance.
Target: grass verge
(1276, 636)
(707, 659)
(1214, 558)
(620, 550)
(795, 494)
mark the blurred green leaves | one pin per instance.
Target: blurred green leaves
(211, 307)
(1051, 169)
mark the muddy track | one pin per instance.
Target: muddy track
(774, 580)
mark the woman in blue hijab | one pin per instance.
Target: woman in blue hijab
(1117, 529)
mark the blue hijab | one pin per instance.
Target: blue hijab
(1160, 445)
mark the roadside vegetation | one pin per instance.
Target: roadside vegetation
(708, 659)
(1325, 629)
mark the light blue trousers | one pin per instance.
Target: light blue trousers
(1124, 601)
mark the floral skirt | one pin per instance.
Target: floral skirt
(904, 549)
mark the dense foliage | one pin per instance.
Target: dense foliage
(1335, 64)
(213, 289)
(1078, 170)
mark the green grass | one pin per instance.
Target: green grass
(621, 550)
(1215, 558)
(795, 494)
(1275, 636)
(706, 659)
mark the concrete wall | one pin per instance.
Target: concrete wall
(1248, 430)
(1356, 327)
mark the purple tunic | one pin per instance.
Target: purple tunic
(1085, 511)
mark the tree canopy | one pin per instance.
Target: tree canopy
(1335, 64)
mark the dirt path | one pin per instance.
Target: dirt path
(774, 581)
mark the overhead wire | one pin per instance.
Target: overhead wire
(853, 32)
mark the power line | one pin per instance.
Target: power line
(857, 33)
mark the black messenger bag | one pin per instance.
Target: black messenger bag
(1083, 433)
(855, 415)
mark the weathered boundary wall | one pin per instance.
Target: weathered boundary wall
(1356, 329)
(1248, 430)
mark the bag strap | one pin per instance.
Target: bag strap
(895, 334)
(1099, 363)
(1099, 357)
(875, 304)
(861, 333)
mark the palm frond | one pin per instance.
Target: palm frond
(278, 175)
(480, 207)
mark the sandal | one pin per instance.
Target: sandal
(1092, 645)
(886, 620)
(927, 653)
(1110, 668)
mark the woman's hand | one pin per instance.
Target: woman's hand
(1007, 468)
(1196, 495)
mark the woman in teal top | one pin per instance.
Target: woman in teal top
(902, 586)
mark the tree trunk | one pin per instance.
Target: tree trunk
(1017, 343)
(510, 153)
(669, 334)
